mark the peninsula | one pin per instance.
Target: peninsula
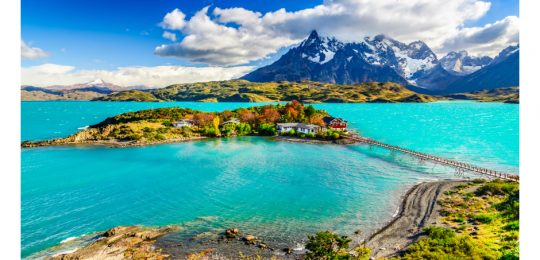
(293, 121)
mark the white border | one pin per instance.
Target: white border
(10, 184)
(529, 128)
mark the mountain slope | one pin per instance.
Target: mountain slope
(325, 59)
(245, 91)
(503, 73)
(461, 63)
(383, 59)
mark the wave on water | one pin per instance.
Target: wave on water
(66, 246)
(83, 127)
(68, 240)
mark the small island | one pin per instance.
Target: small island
(292, 122)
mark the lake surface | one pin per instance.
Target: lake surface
(276, 190)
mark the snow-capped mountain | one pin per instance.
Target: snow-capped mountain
(326, 59)
(97, 85)
(505, 53)
(319, 49)
(461, 63)
(409, 60)
(379, 58)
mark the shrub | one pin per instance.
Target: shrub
(267, 129)
(484, 218)
(133, 137)
(243, 129)
(498, 187)
(459, 219)
(228, 129)
(327, 245)
(167, 123)
(160, 137)
(443, 243)
(362, 253)
(513, 225)
(163, 130)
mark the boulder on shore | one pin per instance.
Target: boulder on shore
(122, 242)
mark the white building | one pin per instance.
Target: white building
(183, 123)
(232, 121)
(298, 127)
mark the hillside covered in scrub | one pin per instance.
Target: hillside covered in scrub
(245, 91)
(505, 95)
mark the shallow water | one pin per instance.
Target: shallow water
(277, 190)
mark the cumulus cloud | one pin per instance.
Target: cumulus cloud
(211, 42)
(173, 20)
(158, 76)
(235, 36)
(487, 40)
(169, 35)
(31, 53)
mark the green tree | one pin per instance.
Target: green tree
(328, 245)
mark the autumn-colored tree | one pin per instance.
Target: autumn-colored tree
(270, 115)
(226, 114)
(294, 110)
(188, 116)
(215, 122)
(317, 119)
(291, 112)
(202, 119)
(247, 116)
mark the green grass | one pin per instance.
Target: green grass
(305, 91)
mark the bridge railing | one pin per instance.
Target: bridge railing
(441, 160)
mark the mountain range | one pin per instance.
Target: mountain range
(85, 91)
(381, 58)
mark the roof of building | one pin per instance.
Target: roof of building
(231, 121)
(328, 119)
(184, 121)
(298, 125)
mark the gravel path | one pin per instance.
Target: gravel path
(418, 210)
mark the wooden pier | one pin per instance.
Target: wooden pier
(460, 167)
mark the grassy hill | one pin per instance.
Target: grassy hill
(245, 91)
(35, 95)
(506, 95)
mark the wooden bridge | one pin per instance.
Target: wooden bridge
(461, 168)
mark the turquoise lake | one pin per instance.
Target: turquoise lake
(276, 190)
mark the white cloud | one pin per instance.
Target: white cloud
(210, 42)
(169, 35)
(173, 20)
(158, 76)
(31, 53)
(487, 40)
(235, 36)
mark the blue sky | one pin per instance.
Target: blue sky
(106, 35)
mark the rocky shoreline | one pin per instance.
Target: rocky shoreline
(314, 141)
(69, 141)
(106, 143)
(418, 210)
